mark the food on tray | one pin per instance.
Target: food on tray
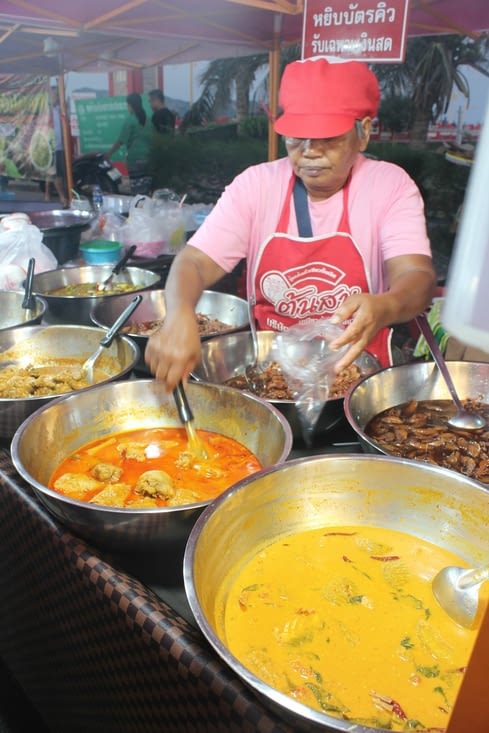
(272, 384)
(343, 619)
(419, 430)
(149, 468)
(207, 325)
(39, 380)
(85, 290)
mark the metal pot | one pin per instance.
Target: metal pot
(52, 433)
(420, 381)
(57, 342)
(77, 309)
(12, 314)
(227, 356)
(227, 308)
(426, 501)
(62, 230)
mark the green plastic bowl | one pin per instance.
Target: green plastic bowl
(100, 251)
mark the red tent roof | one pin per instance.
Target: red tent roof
(107, 35)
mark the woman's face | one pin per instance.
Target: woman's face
(324, 164)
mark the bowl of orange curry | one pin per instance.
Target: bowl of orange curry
(324, 607)
(115, 465)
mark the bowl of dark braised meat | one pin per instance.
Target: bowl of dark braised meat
(404, 411)
(225, 358)
(216, 313)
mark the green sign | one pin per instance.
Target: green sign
(100, 121)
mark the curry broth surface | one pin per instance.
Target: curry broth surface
(131, 454)
(343, 619)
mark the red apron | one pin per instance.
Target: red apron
(305, 277)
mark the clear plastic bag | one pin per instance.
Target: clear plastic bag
(304, 355)
(17, 246)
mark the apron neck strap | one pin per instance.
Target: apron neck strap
(304, 226)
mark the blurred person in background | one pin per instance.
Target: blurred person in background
(57, 175)
(135, 135)
(163, 119)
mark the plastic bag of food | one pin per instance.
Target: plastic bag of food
(19, 241)
(305, 356)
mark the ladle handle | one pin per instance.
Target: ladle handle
(425, 329)
(29, 302)
(119, 322)
(124, 260)
(473, 577)
(184, 411)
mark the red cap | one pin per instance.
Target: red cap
(320, 98)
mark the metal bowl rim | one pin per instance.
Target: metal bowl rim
(258, 685)
(108, 269)
(14, 449)
(233, 298)
(196, 378)
(39, 298)
(49, 398)
(410, 366)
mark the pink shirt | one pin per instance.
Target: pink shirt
(385, 210)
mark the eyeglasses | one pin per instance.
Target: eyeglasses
(293, 143)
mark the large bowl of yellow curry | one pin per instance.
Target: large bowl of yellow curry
(115, 465)
(324, 606)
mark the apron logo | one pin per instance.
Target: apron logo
(290, 299)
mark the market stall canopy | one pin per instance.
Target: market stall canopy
(50, 35)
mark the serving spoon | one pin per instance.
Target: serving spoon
(463, 419)
(457, 591)
(117, 268)
(88, 364)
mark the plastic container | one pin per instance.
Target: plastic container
(100, 251)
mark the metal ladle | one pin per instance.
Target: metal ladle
(457, 591)
(88, 364)
(463, 419)
(195, 444)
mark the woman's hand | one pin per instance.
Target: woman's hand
(368, 314)
(174, 350)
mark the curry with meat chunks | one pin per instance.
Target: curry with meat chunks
(44, 379)
(149, 468)
(343, 620)
(420, 430)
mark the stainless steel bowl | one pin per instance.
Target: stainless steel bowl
(12, 314)
(227, 308)
(62, 230)
(44, 342)
(432, 503)
(77, 309)
(227, 356)
(420, 381)
(53, 432)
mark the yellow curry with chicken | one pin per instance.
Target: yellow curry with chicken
(343, 620)
(150, 468)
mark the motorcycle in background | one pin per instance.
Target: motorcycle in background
(91, 170)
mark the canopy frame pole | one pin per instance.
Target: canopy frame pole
(66, 133)
(274, 74)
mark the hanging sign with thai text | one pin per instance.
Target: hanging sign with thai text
(358, 31)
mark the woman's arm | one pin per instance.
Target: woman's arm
(174, 349)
